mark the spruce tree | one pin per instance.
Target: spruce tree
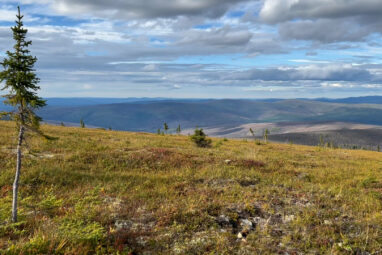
(21, 84)
(252, 132)
(178, 129)
(165, 126)
(266, 134)
(200, 138)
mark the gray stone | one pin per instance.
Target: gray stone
(246, 224)
(223, 220)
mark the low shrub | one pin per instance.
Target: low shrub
(200, 139)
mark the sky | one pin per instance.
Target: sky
(202, 48)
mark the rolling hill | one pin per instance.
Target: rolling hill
(230, 117)
(108, 192)
(340, 134)
(151, 115)
(211, 113)
(354, 100)
(147, 114)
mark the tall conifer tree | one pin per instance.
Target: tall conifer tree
(21, 84)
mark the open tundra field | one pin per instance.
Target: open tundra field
(105, 192)
(339, 134)
(284, 128)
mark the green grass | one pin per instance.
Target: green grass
(106, 192)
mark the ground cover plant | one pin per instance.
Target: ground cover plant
(106, 192)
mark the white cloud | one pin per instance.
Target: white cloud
(150, 67)
(88, 86)
(275, 11)
(128, 9)
(140, 46)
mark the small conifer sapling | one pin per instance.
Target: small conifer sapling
(266, 134)
(200, 138)
(252, 132)
(165, 127)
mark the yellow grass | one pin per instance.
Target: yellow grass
(107, 192)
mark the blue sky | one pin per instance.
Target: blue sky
(202, 48)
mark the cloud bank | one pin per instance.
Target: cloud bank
(203, 48)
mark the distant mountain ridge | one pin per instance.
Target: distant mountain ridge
(87, 101)
(149, 114)
(354, 100)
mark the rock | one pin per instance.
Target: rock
(242, 235)
(246, 224)
(228, 161)
(255, 220)
(223, 220)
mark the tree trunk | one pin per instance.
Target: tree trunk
(17, 176)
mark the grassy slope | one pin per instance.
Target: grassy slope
(108, 192)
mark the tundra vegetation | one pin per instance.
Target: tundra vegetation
(108, 192)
